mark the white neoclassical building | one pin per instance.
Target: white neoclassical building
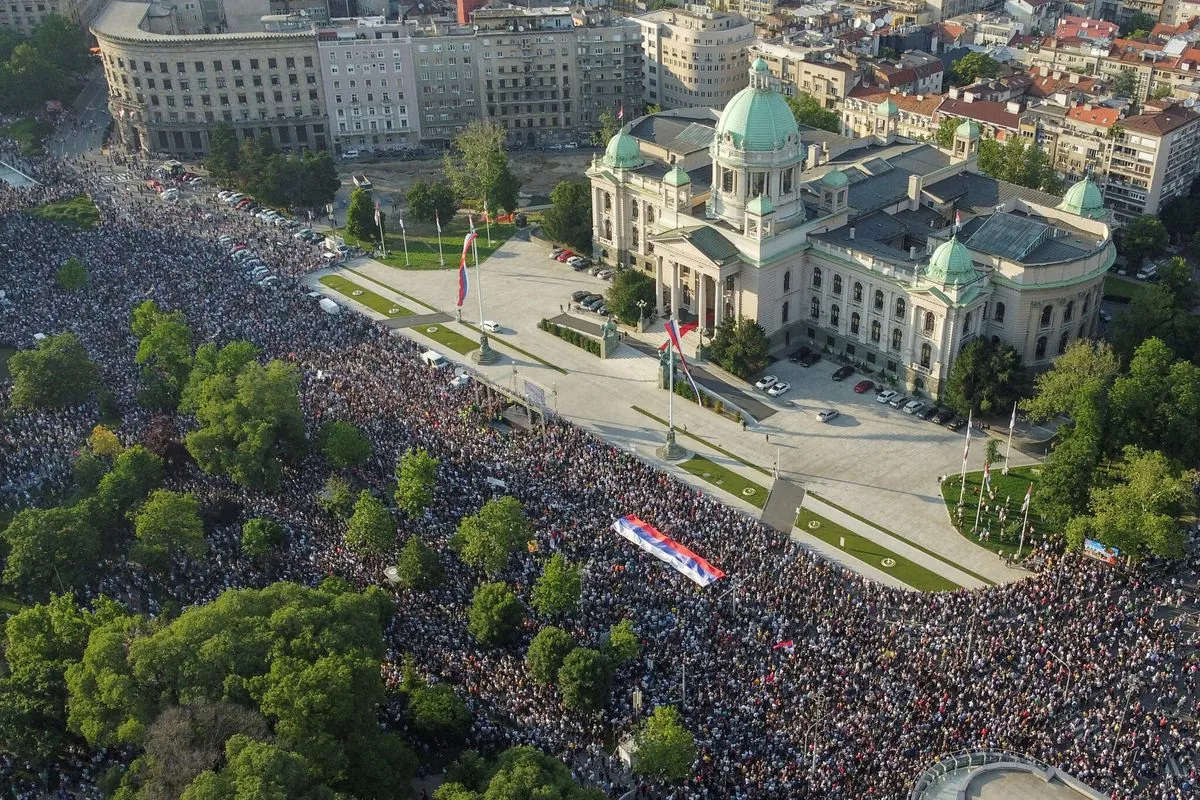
(851, 246)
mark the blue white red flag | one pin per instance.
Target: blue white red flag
(674, 334)
(462, 267)
(787, 646)
(666, 549)
(684, 330)
(987, 478)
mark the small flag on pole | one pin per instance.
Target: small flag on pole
(674, 335)
(1012, 421)
(377, 212)
(1028, 496)
(787, 646)
(967, 446)
(401, 221)
(462, 268)
(957, 221)
(987, 478)
(621, 113)
(470, 221)
(438, 221)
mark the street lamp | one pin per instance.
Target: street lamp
(641, 304)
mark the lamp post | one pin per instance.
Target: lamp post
(641, 304)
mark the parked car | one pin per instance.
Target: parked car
(350, 155)
(602, 310)
(956, 424)
(302, 233)
(943, 416)
(843, 372)
(928, 411)
(233, 197)
(563, 256)
(766, 382)
(810, 359)
(778, 389)
(828, 415)
(885, 396)
(224, 195)
(491, 326)
(578, 296)
(581, 266)
(913, 406)
(596, 270)
(556, 252)
(593, 301)
(863, 387)
(270, 280)
(606, 275)
(898, 401)
(797, 355)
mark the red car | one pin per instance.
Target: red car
(564, 255)
(863, 386)
(240, 204)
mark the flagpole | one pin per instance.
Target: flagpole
(478, 282)
(979, 505)
(1024, 525)
(487, 221)
(438, 220)
(404, 238)
(1012, 421)
(671, 393)
(379, 222)
(962, 476)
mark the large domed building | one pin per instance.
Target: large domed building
(892, 253)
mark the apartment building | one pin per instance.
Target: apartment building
(914, 72)
(170, 85)
(1074, 137)
(369, 83)
(694, 56)
(1152, 161)
(872, 111)
(799, 69)
(447, 87)
(996, 120)
(25, 15)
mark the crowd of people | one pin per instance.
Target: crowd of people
(1086, 667)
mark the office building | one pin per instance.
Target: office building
(693, 56)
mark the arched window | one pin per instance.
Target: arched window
(1040, 351)
(785, 312)
(608, 229)
(816, 278)
(633, 210)
(834, 314)
(787, 281)
(649, 214)
(967, 323)
(635, 238)
(875, 331)
(1069, 311)
(1047, 315)
(608, 201)
(929, 321)
(815, 309)
(837, 284)
(1063, 341)
(854, 320)
(897, 338)
(899, 308)
(857, 292)
(999, 312)
(926, 355)
(878, 300)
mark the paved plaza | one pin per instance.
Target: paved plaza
(873, 459)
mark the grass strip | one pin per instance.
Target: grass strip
(513, 347)
(725, 478)
(1007, 489)
(1121, 289)
(873, 553)
(366, 297)
(5, 354)
(423, 251)
(704, 442)
(391, 288)
(905, 539)
(452, 339)
(29, 134)
(79, 212)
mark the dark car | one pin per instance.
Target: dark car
(798, 355)
(810, 359)
(592, 301)
(843, 373)
(943, 416)
(928, 412)
(580, 295)
(956, 424)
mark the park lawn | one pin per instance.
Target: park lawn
(724, 478)
(376, 302)
(452, 339)
(423, 243)
(5, 354)
(869, 552)
(28, 134)
(1121, 289)
(79, 212)
(1010, 488)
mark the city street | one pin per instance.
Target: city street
(90, 111)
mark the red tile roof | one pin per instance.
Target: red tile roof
(1071, 27)
(921, 105)
(1104, 117)
(1161, 123)
(986, 111)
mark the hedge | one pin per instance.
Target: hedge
(572, 336)
(684, 390)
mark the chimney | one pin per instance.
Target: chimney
(814, 156)
(852, 233)
(1074, 78)
(954, 92)
(915, 184)
(1013, 106)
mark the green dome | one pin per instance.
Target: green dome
(969, 128)
(834, 178)
(888, 108)
(758, 119)
(677, 177)
(623, 152)
(760, 205)
(951, 263)
(1084, 199)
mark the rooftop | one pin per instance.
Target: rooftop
(987, 111)
(123, 19)
(1162, 123)
(1096, 115)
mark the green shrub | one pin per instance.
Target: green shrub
(571, 336)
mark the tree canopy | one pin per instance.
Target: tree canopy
(260, 536)
(1016, 162)
(416, 480)
(55, 374)
(371, 530)
(486, 540)
(72, 275)
(438, 713)
(428, 202)
(496, 614)
(167, 527)
(481, 171)
(558, 590)
(418, 566)
(809, 111)
(585, 680)
(986, 377)
(665, 748)
(256, 167)
(629, 287)
(164, 353)
(344, 444)
(740, 346)
(1143, 238)
(609, 125)
(1085, 370)
(360, 216)
(972, 67)
(51, 549)
(44, 67)
(546, 653)
(569, 218)
(520, 773)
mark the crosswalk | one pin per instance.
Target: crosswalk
(122, 177)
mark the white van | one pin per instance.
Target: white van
(434, 359)
(330, 307)
(1147, 272)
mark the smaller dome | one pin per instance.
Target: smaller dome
(951, 264)
(760, 66)
(760, 205)
(834, 178)
(677, 177)
(1084, 199)
(969, 129)
(888, 108)
(623, 152)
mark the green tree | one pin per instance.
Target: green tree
(1142, 239)
(371, 530)
(569, 218)
(740, 346)
(520, 773)
(418, 566)
(336, 497)
(1156, 405)
(439, 714)
(629, 287)
(105, 704)
(585, 680)
(55, 374)
(496, 614)
(1161, 310)
(166, 527)
(1016, 162)
(164, 353)
(72, 275)
(808, 111)
(255, 769)
(318, 180)
(50, 549)
(416, 480)
(666, 749)
(429, 202)
(986, 377)
(32, 78)
(344, 444)
(1083, 372)
(1062, 491)
(609, 127)
(944, 136)
(1138, 20)
(1139, 512)
(1125, 85)
(63, 41)
(360, 216)
(546, 653)
(558, 589)
(260, 536)
(482, 171)
(104, 443)
(222, 161)
(135, 473)
(972, 67)
(486, 540)
(623, 644)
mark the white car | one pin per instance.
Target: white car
(300, 234)
(225, 240)
(828, 414)
(223, 196)
(766, 382)
(779, 388)
(196, 181)
(234, 198)
(912, 407)
(459, 381)
(885, 396)
(270, 280)
(170, 194)
(350, 155)
(491, 326)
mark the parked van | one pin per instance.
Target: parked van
(330, 307)
(1147, 272)
(434, 359)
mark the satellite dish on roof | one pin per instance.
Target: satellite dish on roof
(828, 56)
(887, 18)
(869, 27)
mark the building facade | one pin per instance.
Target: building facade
(799, 69)
(693, 56)
(858, 255)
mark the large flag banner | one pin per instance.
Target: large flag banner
(675, 336)
(664, 548)
(438, 220)
(462, 268)
(1028, 497)
(684, 330)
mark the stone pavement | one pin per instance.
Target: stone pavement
(780, 513)
(873, 459)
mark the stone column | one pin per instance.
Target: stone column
(675, 294)
(702, 296)
(718, 302)
(658, 285)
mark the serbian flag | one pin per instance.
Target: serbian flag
(684, 330)
(666, 549)
(987, 478)
(438, 220)
(787, 647)
(377, 213)
(957, 220)
(462, 267)
(1012, 421)
(967, 446)
(621, 112)
(1028, 497)
(674, 335)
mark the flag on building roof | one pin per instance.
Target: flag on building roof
(666, 549)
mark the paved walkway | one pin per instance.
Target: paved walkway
(414, 320)
(780, 512)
